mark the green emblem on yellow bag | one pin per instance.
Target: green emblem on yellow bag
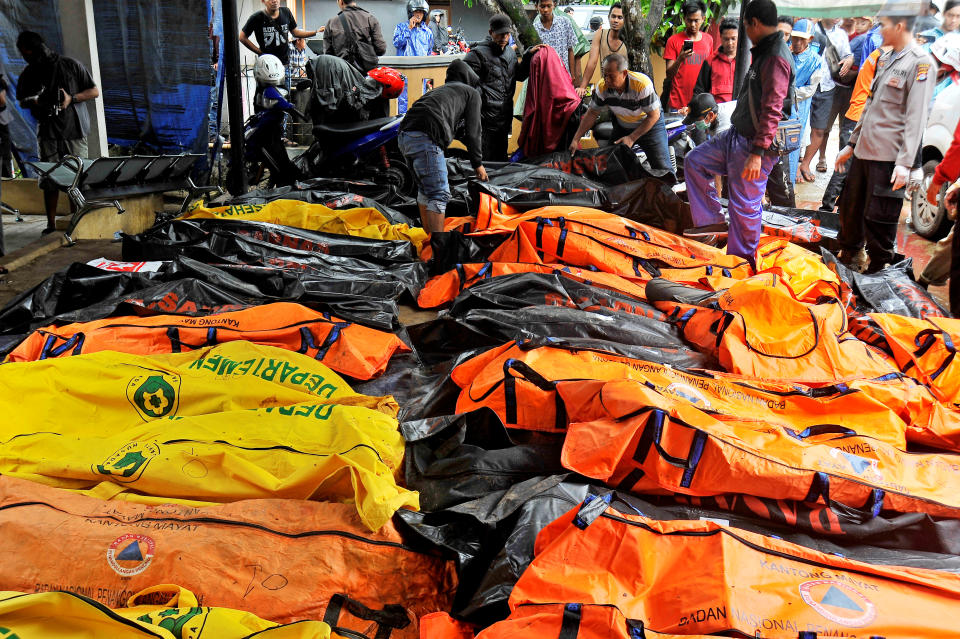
(154, 396)
(128, 463)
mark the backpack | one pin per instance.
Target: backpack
(357, 52)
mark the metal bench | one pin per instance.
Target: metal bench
(99, 183)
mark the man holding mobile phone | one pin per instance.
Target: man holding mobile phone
(685, 53)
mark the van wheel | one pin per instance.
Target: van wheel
(928, 221)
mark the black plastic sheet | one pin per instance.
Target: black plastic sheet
(608, 331)
(82, 293)
(167, 240)
(610, 165)
(348, 195)
(892, 290)
(319, 187)
(649, 201)
(225, 247)
(810, 229)
(519, 290)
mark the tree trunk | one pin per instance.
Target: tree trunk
(638, 31)
(524, 31)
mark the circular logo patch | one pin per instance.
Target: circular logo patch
(838, 602)
(130, 554)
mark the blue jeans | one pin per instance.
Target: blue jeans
(726, 155)
(653, 143)
(430, 167)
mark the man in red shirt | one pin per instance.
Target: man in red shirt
(716, 74)
(685, 53)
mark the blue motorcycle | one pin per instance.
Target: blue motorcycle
(364, 150)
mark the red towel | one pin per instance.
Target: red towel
(551, 100)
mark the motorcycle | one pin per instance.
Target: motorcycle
(263, 143)
(364, 150)
(456, 42)
(358, 150)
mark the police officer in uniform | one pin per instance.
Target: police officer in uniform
(885, 142)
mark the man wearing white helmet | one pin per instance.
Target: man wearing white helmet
(885, 141)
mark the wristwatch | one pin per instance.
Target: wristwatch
(73, 98)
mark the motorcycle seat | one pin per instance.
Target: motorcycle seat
(603, 131)
(351, 128)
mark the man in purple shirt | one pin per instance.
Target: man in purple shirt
(746, 151)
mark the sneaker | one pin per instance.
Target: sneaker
(48, 230)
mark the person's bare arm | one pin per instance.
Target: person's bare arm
(3, 99)
(573, 64)
(88, 94)
(673, 66)
(589, 118)
(303, 33)
(591, 62)
(248, 43)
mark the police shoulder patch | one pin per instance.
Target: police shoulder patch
(923, 69)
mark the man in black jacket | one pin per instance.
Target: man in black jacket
(427, 130)
(495, 62)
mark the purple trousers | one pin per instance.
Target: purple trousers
(726, 154)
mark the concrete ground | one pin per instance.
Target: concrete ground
(16, 235)
(44, 264)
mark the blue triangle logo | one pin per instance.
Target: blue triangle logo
(836, 598)
(859, 463)
(131, 552)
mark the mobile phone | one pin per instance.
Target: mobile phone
(688, 45)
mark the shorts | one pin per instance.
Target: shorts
(50, 149)
(430, 166)
(820, 109)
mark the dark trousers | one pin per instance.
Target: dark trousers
(779, 188)
(6, 155)
(869, 211)
(653, 143)
(835, 186)
(495, 142)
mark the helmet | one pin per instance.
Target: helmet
(946, 49)
(391, 81)
(269, 70)
(417, 5)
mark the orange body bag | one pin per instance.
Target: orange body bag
(698, 577)
(281, 559)
(348, 348)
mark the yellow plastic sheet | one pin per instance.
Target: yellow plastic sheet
(235, 421)
(359, 222)
(71, 616)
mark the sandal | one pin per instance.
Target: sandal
(822, 166)
(806, 176)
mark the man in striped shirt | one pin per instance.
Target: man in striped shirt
(637, 118)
